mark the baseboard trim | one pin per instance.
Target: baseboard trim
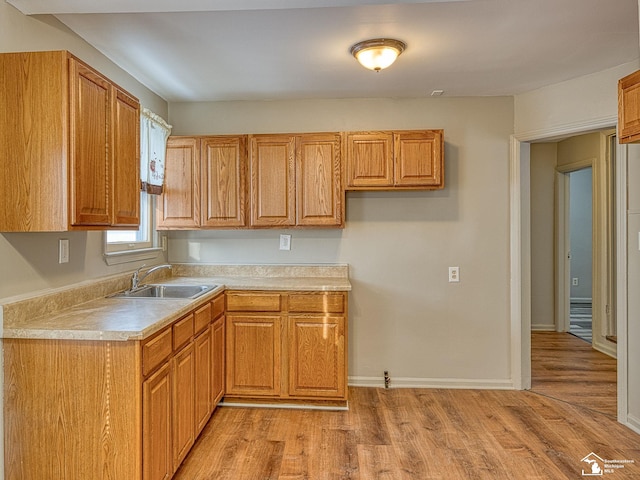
(289, 406)
(453, 383)
(581, 300)
(633, 423)
(608, 348)
(541, 327)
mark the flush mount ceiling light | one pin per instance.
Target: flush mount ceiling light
(377, 53)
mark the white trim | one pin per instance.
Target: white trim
(621, 284)
(117, 258)
(541, 327)
(517, 252)
(454, 383)
(633, 423)
(562, 248)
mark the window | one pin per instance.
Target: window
(132, 245)
(122, 246)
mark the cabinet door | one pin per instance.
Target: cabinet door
(217, 360)
(317, 356)
(253, 355)
(90, 130)
(272, 171)
(157, 463)
(126, 161)
(418, 159)
(183, 402)
(179, 206)
(223, 185)
(369, 159)
(629, 108)
(318, 181)
(202, 345)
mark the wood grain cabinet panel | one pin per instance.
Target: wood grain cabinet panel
(395, 160)
(369, 159)
(629, 108)
(218, 360)
(157, 426)
(224, 185)
(320, 197)
(272, 174)
(179, 205)
(69, 142)
(316, 351)
(253, 355)
(183, 403)
(203, 377)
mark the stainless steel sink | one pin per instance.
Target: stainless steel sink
(166, 291)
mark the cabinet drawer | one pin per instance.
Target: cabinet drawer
(202, 318)
(218, 307)
(316, 303)
(155, 351)
(182, 331)
(253, 302)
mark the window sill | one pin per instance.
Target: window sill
(117, 258)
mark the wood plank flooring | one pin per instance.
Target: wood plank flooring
(569, 369)
(414, 434)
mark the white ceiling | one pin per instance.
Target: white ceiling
(199, 50)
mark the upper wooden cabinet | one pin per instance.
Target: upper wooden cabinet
(403, 160)
(69, 146)
(204, 183)
(273, 180)
(296, 180)
(629, 108)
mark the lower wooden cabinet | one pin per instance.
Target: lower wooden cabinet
(156, 405)
(253, 355)
(105, 410)
(287, 346)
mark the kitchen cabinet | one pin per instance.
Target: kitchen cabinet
(156, 405)
(108, 409)
(286, 346)
(204, 183)
(69, 146)
(218, 359)
(394, 160)
(179, 205)
(629, 108)
(296, 180)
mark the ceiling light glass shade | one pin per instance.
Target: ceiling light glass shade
(377, 53)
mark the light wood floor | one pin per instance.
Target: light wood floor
(569, 369)
(414, 434)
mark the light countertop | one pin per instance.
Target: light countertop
(121, 319)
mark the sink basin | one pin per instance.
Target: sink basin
(166, 291)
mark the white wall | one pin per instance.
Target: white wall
(404, 315)
(29, 261)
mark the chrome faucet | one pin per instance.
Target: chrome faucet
(136, 278)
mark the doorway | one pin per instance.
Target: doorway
(614, 267)
(579, 230)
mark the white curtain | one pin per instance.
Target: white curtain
(154, 132)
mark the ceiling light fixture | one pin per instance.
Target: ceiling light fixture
(377, 53)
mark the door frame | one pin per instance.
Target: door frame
(520, 251)
(563, 241)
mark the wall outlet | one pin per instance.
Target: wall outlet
(454, 274)
(285, 242)
(63, 250)
(574, 281)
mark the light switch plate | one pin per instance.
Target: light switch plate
(63, 250)
(285, 242)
